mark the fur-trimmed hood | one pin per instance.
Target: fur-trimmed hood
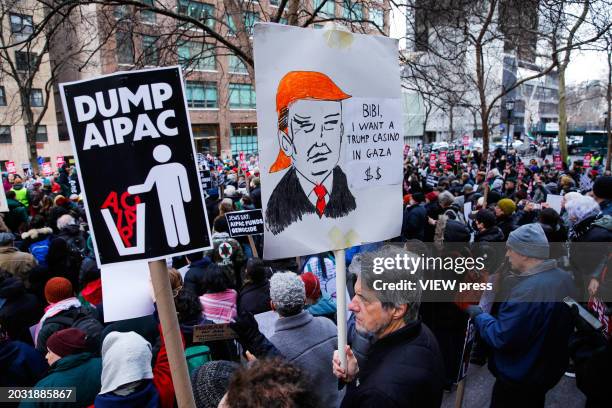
(36, 232)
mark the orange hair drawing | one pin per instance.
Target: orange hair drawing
(297, 85)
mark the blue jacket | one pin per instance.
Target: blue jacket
(20, 364)
(414, 222)
(529, 332)
(606, 207)
(145, 396)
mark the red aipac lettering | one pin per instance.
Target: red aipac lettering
(125, 214)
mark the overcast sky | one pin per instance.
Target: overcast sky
(584, 65)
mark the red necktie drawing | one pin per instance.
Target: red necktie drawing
(320, 191)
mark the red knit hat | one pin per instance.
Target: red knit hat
(58, 289)
(311, 285)
(68, 341)
(432, 196)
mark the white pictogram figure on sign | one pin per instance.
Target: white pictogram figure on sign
(170, 180)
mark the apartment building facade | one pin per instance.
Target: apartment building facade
(16, 64)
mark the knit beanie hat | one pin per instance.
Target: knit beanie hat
(602, 188)
(57, 289)
(418, 197)
(211, 381)
(311, 285)
(287, 292)
(529, 240)
(507, 206)
(126, 357)
(431, 196)
(68, 341)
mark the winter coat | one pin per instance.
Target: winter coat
(507, 223)
(17, 215)
(493, 234)
(529, 331)
(195, 276)
(81, 371)
(403, 369)
(20, 311)
(309, 342)
(606, 207)
(254, 298)
(589, 246)
(34, 236)
(256, 197)
(325, 307)
(20, 364)
(145, 396)
(17, 263)
(414, 222)
(227, 253)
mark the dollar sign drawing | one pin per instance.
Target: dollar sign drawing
(368, 175)
(378, 175)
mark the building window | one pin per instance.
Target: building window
(198, 55)
(236, 66)
(200, 11)
(25, 61)
(36, 98)
(352, 10)
(5, 134)
(201, 94)
(250, 18)
(41, 134)
(206, 138)
(2, 96)
(121, 12)
(242, 96)
(148, 16)
(377, 17)
(274, 3)
(21, 24)
(125, 48)
(149, 50)
(328, 10)
(283, 20)
(243, 138)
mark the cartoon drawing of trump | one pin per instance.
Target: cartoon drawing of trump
(310, 130)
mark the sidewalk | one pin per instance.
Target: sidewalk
(480, 383)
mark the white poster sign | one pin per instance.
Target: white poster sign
(3, 203)
(331, 146)
(126, 290)
(554, 201)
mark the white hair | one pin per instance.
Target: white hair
(446, 198)
(580, 208)
(64, 221)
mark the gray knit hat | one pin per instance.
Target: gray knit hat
(287, 293)
(211, 381)
(529, 240)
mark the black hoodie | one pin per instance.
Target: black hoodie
(20, 310)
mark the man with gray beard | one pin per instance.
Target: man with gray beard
(403, 367)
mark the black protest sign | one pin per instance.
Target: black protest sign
(241, 223)
(431, 180)
(213, 332)
(136, 164)
(206, 179)
(468, 344)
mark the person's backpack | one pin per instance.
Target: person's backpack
(197, 355)
(40, 249)
(76, 250)
(81, 318)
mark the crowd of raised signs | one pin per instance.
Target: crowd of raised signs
(401, 353)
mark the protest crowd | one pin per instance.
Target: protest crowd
(403, 351)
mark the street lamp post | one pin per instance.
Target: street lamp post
(509, 108)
